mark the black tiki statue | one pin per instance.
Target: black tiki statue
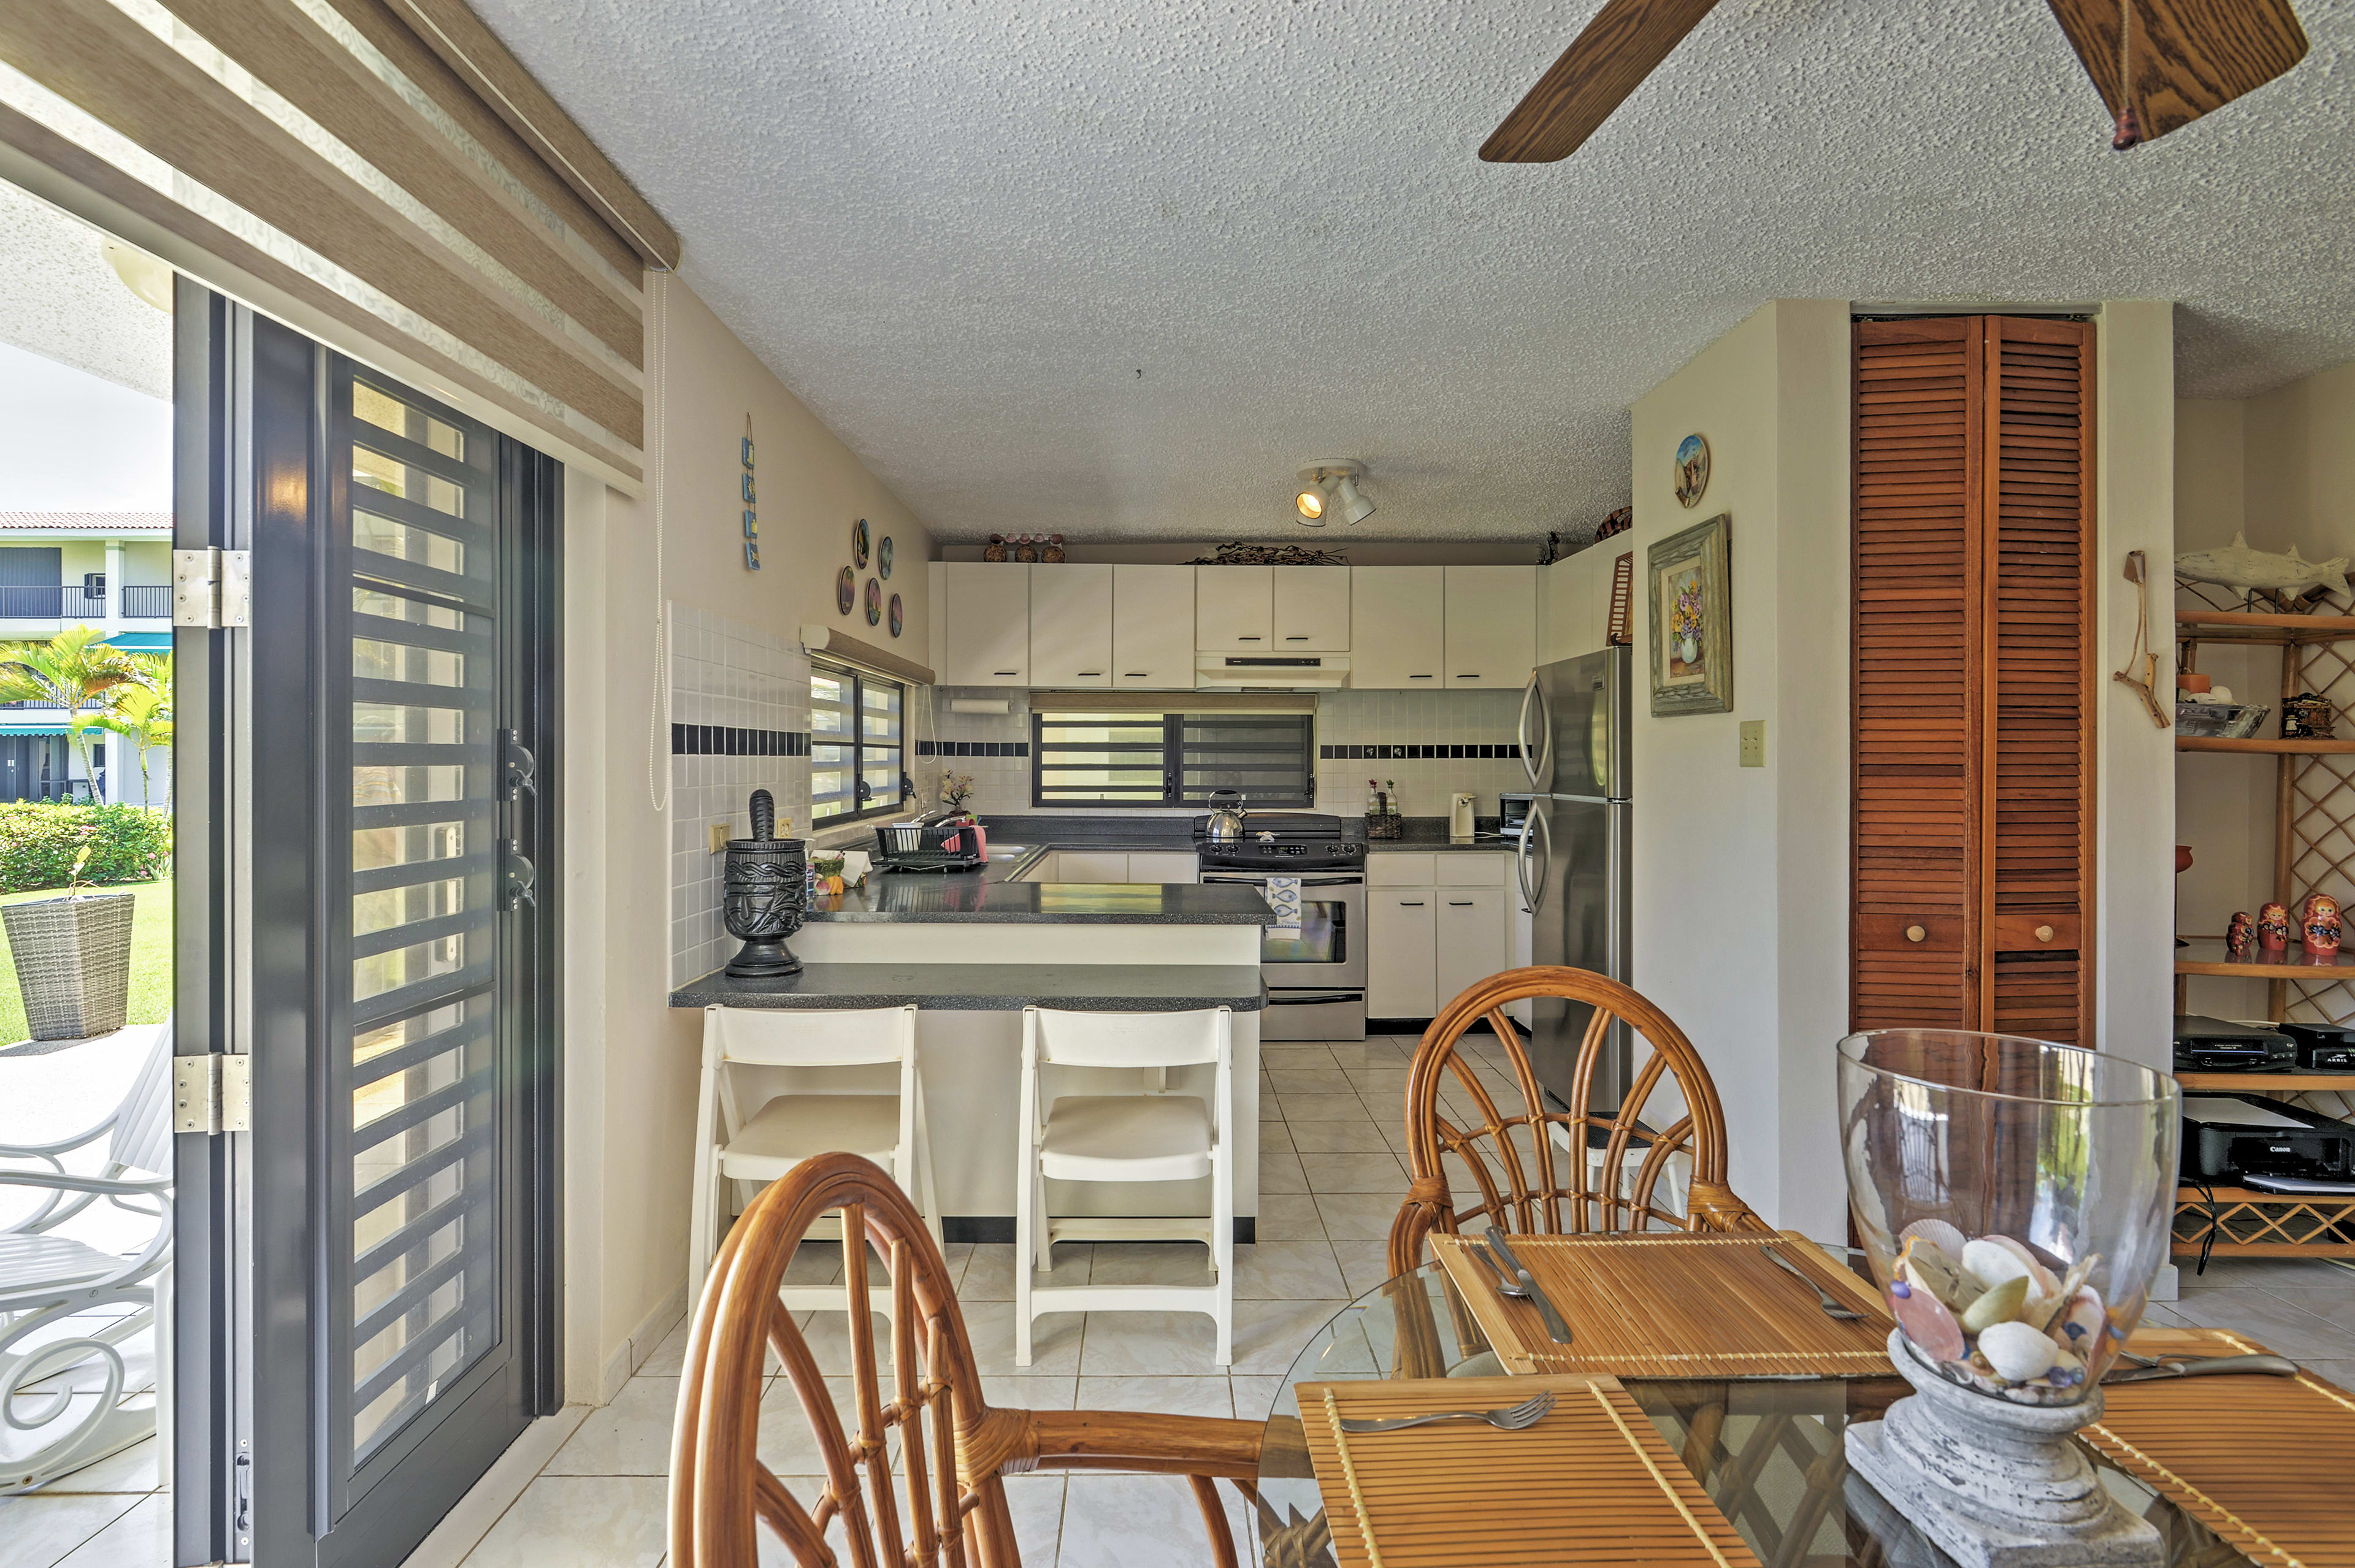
(762, 898)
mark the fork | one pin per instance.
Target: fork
(1831, 1308)
(1509, 1418)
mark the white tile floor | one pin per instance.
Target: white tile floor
(1329, 1183)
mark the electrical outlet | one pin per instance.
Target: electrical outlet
(1753, 742)
(718, 831)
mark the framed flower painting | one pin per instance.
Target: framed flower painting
(1691, 617)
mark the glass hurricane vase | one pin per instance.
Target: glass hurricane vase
(2015, 1198)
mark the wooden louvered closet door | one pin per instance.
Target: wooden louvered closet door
(1971, 662)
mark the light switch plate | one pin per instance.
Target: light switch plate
(1753, 742)
(718, 831)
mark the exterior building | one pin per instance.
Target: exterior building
(59, 569)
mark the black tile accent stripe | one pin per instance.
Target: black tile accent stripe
(973, 748)
(1405, 752)
(730, 741)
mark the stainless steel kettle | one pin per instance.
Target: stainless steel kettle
(1226, 823)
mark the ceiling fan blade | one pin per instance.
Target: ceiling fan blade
(2188, 56)
(1603, 65)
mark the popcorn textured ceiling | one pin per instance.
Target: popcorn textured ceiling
(1117, 268)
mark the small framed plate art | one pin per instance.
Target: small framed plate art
(874, 602)
(858, 544)
(846, 590)
(1692, 585)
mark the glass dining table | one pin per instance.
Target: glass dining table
(1768, 1451)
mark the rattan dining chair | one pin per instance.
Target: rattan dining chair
(1557, 1172)
(952, 1447)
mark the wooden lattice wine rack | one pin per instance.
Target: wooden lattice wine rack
(2314, 852)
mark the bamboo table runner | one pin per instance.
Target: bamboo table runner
(1591, 1483)
(1676, 1306)
(2263, 1461)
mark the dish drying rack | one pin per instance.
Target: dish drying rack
(930, 847)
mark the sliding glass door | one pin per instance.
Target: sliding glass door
(379, 856)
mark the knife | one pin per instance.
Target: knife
(1553, 1323)
(2203, 1366)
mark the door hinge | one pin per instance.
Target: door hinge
(212, 1093)
(212, 588)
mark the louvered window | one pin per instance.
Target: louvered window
(856, 739)
(1141, 758)
(1973, 724)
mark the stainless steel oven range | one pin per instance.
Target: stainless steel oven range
(1316, 974)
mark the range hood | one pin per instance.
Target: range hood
(1271, 672)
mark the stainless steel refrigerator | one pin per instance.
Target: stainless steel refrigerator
(1574, 854)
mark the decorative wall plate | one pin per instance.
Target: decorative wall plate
(874, 601)
(1693, 469)
(883, 555)
(897, 619)
(846, 590)
(858, 544)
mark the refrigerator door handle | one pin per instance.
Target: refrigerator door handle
(1536, 760)
(1533, 897)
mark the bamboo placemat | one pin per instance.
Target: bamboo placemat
(1591, 1483)
(2263, 1461)
(1676, 1306)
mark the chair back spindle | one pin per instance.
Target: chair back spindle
(1482, 1134)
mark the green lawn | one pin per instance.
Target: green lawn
(151, 957)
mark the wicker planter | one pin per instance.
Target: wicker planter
(73, 963)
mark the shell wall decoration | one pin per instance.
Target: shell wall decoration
(751, 518)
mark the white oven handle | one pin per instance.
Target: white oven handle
(1305, 881)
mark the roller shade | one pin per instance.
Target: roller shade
(382, 172)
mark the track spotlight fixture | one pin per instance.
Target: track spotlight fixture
(1329, 487)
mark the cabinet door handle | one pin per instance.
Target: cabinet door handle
(1134, 674)
(1247, 639)
(1475, 676)
(1290, 638)
(1459, 903)
(1089, 672)
(1410, 903)
(2043, 933)
(1419, 678)
(1917, 934)
(1006, 672)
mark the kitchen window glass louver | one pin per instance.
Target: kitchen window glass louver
(856, 729)
(1143, 758)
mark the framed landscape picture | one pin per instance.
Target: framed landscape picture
(1691, 588)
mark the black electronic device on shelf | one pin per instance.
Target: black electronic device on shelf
(2323, 1048)
(2233, 1138)
(2215, 1045)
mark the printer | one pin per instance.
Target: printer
(2247, 1140)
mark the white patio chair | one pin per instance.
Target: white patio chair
(47, 1278)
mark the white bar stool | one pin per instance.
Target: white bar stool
(1149, 1135)
(788, 1129)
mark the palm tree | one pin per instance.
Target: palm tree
(74, 670)
(140, 711)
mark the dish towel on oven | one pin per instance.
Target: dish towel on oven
(1283, 896)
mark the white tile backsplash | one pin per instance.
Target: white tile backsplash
(726, 673)
(1344, 718)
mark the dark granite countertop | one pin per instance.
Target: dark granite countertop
(987, 894)
(990, 988)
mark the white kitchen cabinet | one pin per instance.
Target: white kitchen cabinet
(1312, 609)
(1170, 866)
(1089, 866)
(1234, 609)
(1492, 626)
(1153, 628)
(984, 611)
(1402, 954)
(1071, 626)
(1398, 639)
(1472, 936)
(1574, 602)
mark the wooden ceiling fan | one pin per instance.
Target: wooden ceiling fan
(2157, 64)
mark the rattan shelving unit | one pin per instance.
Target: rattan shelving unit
(2313, 849)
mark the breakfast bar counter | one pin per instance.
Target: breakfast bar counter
(990, 988)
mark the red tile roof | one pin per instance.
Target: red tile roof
(85, 522)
